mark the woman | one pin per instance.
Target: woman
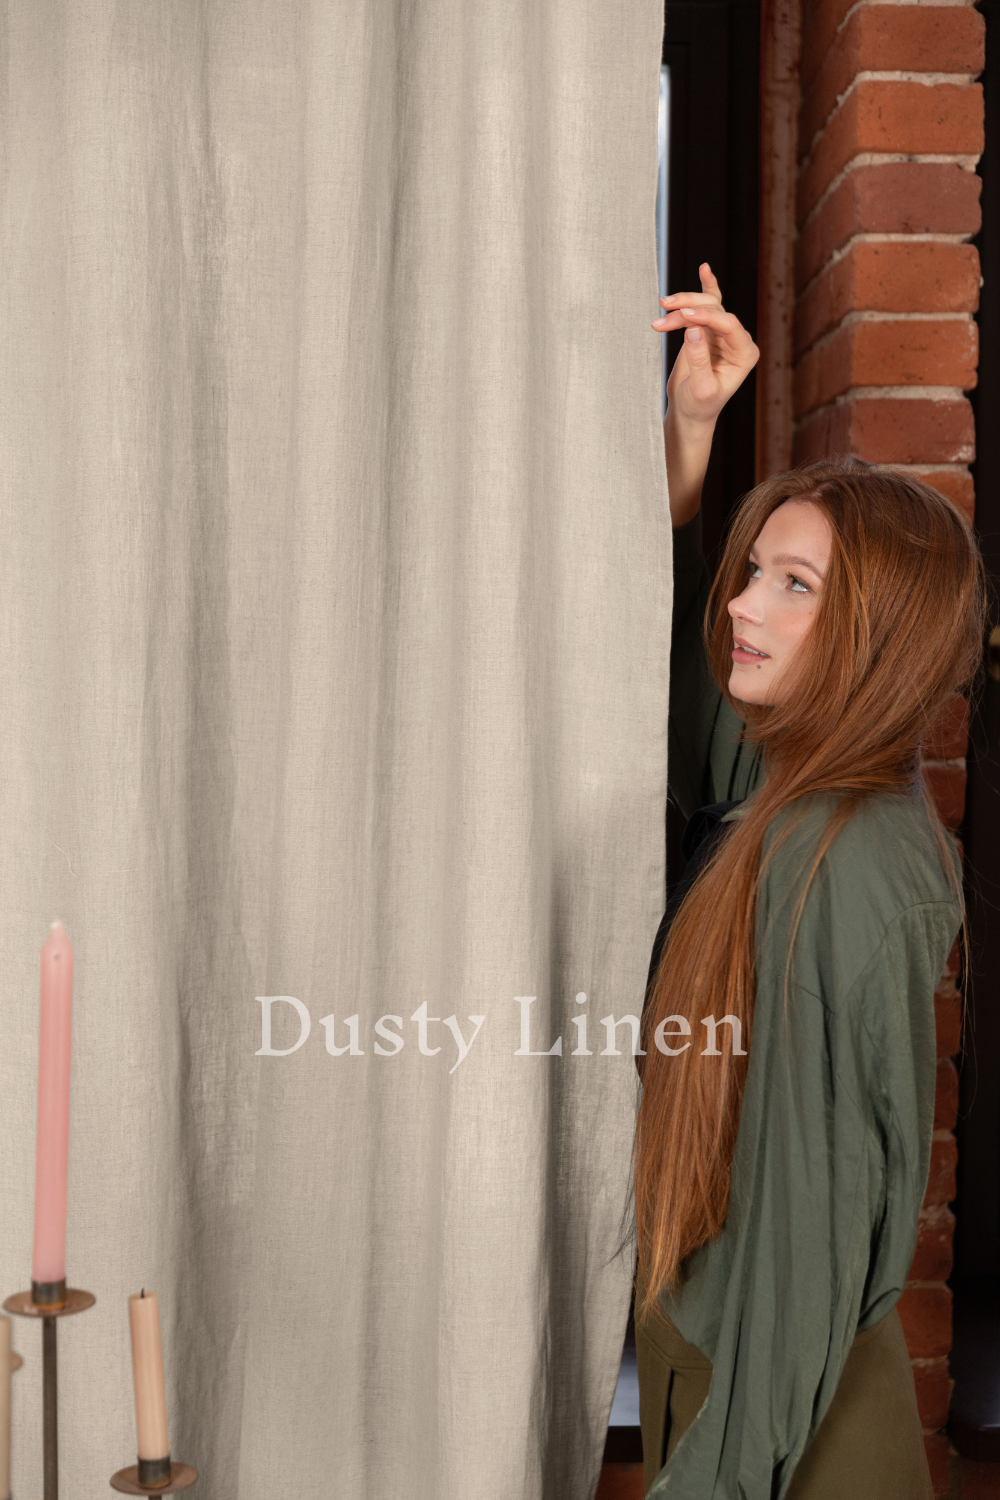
(783, 1138)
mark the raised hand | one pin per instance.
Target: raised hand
(717, 354)
(716, 357)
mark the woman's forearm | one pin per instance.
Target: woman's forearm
(687, 445)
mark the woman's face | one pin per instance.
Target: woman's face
(785, 572)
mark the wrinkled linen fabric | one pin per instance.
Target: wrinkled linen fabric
(336, 581)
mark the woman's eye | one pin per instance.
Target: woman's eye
(753, 568)
(798, 584)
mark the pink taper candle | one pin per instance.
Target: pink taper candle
(147, 1375)
(48, 1261)
(5, 1327)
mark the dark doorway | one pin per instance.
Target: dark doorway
(712, 48)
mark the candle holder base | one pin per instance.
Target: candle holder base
(24, 1306)
(182, 1476)
(76, 1301)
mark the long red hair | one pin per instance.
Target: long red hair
(898, 628)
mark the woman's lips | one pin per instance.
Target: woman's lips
(746, 654)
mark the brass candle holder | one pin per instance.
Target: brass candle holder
(49, 1300)
(176, 1477)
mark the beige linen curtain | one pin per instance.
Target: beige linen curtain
(335, 570)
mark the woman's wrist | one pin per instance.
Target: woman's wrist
(687, 445)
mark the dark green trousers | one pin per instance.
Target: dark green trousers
(869, 1445)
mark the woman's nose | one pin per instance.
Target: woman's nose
(742, 608)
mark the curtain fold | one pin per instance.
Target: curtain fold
(335, 562)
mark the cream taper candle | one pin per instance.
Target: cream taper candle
(147, 1376)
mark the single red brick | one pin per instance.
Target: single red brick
(941, 1177)
(956, 484)
(933, 1383)
(948, 1021)
(823, 372)
(939, 1463)
(896, 197)
(892, 38)
(921, 352)
(946, 1095)
(921, 276)
(948, 736)
(821, 20)
(903, 352)
(916, 277)
(925, 1313)
(947, 784)
(889, 115)
(932, 1259)
(889, 431)
(911, 431)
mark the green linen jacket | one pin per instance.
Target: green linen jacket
(832, 1155)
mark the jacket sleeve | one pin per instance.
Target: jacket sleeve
(904, 1048)
(703, 742)
(842, 1134)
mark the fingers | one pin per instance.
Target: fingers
(730, 332)
(693, 310)
(711, 316)
(710, 294)
(708, 282)
(708, 314)
(697, 350)
(678, 317)
(690, 299)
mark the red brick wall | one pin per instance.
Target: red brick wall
(890, 129)
(886, 285)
